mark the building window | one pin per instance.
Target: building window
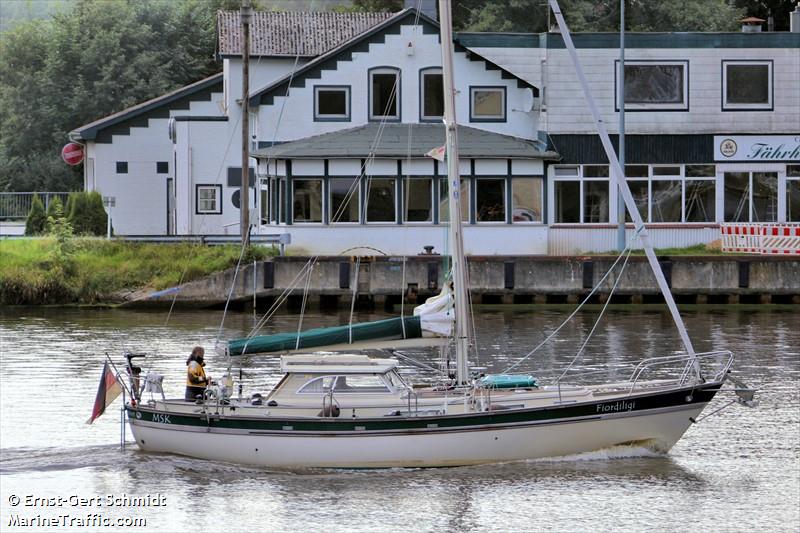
(122, 167)
(582, 194)
(444, 201)
(595, 201)
(490, 200)
(526, 200)
(432, 98)
(568, 207)
(381, 200)
(384, 86)
(487, 104)
(332, 103)
(751, 196)
(746, 85)
(307, 200)
(792, 193)
(162, 167)
(208, 199)
(418, 200)
(344, 200)
(653, 86)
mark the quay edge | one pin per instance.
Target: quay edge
(381, 280)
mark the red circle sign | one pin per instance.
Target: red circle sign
(72, 154)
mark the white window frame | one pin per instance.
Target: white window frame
(217, 210)
(425, 72)
(581, 179)
(667, 106)
(319, 117)
(487, 118)
(749, 106)
(397, 100)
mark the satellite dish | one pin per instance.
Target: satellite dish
(527, 100)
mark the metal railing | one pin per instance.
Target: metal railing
(17, 205)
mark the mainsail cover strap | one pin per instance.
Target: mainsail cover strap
(388, 329)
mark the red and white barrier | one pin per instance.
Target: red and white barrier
(773, 239)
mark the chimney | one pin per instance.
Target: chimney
(426, 7)
(751, 24)
(794, 19)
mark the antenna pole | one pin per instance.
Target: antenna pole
(244, 194)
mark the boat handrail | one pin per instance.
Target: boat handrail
(689, 359)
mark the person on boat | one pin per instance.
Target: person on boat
(196, 380)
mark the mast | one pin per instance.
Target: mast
(244, 194)
(455, 231)
(618, 176)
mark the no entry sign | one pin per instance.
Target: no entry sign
(72, 154)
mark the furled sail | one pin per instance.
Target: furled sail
(434, 318)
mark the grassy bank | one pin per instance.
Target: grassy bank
(91, 270)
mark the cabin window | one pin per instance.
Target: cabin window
(444, 201)
(746, 85)
(526, 200)
(487, 104)
(418, 199)
(332, 103)
(359, 383)
(208, 200)
(122, 167)
(432, 94)
(381, 205)
(344, 200)
(318, 385)
(307, 200)
(654, 85)
(490, 200)
(384, 86)
(162, 167)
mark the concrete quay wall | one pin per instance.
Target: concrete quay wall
(497, 279)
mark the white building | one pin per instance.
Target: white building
(341, 121)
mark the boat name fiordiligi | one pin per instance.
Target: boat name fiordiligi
(616, 407)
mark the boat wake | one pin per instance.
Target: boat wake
(635, 450)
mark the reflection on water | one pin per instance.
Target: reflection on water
(736, 470)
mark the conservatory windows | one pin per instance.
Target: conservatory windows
(747, 85)
(432, 94)
(418, 199)
(581, 194)
(526, 200)
(381, 200)
(332, 103)
(487, 104)
(344, 200)
(490, 200)
(751, 196)
(384, 88)
(307, 200)
(654, 85)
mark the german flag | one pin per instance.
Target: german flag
(107, 391)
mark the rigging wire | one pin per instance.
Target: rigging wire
(575, 312)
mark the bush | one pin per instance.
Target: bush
(36, 222)
(87, 214)
(55, 209)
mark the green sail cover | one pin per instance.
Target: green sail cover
(388, 329)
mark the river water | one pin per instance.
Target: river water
(738, 470)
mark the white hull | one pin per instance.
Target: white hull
(657, 428)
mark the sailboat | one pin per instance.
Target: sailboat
(347, 410)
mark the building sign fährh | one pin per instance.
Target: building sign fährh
(764, 148)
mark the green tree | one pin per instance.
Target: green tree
(87, 216)
(37, 219)
(55, 208)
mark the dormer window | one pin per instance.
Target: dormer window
(332, 103)
(432, 94)
(384, 94)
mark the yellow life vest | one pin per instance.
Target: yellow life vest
(196, 375)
